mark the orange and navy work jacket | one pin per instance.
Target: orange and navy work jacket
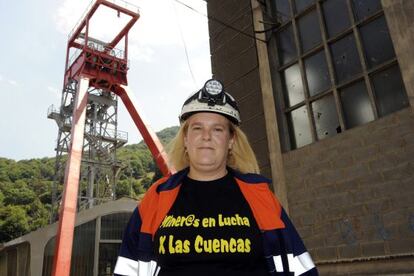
(284, 250)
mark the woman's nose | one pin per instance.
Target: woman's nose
(206, 134)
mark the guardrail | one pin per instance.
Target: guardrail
(52, 109)
(119, 134)
(115, 52)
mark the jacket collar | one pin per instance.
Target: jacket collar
(177, 178)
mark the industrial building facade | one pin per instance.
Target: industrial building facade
(97, 238)
(326, 92)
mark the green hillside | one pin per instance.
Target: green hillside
(26, 185)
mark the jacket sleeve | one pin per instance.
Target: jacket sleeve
(286, 252)
(136, 253)
(127, 262)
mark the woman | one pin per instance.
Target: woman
(216, 215)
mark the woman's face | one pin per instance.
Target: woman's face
(208, 140)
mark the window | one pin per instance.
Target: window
(87, 239)
(113, 225)
(310, 35)
(108, 254)
(331, 73)
(112, 229)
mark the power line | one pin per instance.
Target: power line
(185, 45)
(220, 22)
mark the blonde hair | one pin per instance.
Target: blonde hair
(240, 158)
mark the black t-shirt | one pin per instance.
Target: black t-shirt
(210, 230)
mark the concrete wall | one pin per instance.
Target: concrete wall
(234, 61)
(399, 15)
(351, 196)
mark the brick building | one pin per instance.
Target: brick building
(326, 92)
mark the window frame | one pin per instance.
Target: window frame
(277, 69)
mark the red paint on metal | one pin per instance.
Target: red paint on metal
(148, 135)
(64, 238)
(88, 63)
(103, 69)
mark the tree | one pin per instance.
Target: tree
(37, 213)
(26, 185)
(138, 187)
(123, 188)
(13, 222)
(18, 193)
(1, 199)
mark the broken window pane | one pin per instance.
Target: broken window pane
(310, 35)
(373, 34)
(317, 74)
(281, 9)
(364, 8)
(108, 253)
(302, 4)
(356, 105)
(336, 16)
(300, 133)
(326, 118)
(345, 58)
(389, 91)
(286, 45)
(292, 84)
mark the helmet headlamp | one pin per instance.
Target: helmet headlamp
(213, 87)
(211, 98)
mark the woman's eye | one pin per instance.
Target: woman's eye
(218, 129)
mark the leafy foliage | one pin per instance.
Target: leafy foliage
(26, 185)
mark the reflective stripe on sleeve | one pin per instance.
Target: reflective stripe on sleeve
(298, 265)
(125, 266)
(278, 263)
(304, 260)
(146, 268)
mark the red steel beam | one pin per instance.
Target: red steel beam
(113, 5)
(83, 23)
(122, 33)
(148, 135)
(64, 237)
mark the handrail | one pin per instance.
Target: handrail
(52, 109)
(125, 4)
(81, 18)
(112, 134)
(121, 135)
(115, 52)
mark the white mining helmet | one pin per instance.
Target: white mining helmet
(211, 98)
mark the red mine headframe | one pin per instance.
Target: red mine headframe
(105, 65)
(92, 62)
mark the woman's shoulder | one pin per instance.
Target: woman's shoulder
(155, 186)
(168, 182)
(250, 178)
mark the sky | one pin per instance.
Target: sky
(33, 51)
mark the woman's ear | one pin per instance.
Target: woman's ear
(231, 141)
(232, 136)
(185, 142)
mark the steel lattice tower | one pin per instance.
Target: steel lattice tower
(102, 137)
(95, 76)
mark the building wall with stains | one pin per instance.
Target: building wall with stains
(349, 195)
